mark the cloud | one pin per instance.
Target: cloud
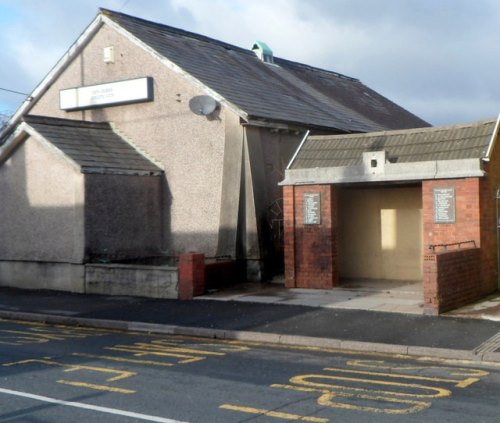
(437, 59)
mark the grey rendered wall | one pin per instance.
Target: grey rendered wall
(254, 163)
(189, 147)
(123, 215)
(266, 155)
(41, 214)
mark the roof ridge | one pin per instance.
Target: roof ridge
(279, 60)
(178, 31)
(407, 131)
(50, 120)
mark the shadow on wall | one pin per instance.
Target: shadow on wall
(52, 212)
(380, 233)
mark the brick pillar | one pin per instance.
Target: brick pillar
(430, 282)
(289, 235)
(310, 248)
(191, 275)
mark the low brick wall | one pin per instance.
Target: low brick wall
(191, 275)
(451, 279)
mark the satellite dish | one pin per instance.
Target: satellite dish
(202, 105)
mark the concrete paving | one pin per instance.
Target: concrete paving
(486, 309)
(381, 295)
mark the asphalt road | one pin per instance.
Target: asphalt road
(61, 374)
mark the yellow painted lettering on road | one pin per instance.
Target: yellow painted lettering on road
(453, 371)
(124, 360)
(305, 380)
(271, 413)
(38, 333)
(458, 383)
(167, 349)
(142, 352)
(119, 374)
(326, 399)
(96, 387)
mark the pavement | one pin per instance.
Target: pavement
(387, 318)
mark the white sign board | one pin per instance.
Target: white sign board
(444, 205)
(312, 208)
(110, 94)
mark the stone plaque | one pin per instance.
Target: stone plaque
(444, 205)
(312, 208)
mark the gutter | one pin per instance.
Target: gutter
(54, 73)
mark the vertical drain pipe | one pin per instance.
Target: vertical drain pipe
(498, 237)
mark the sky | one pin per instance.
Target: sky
(439, 59)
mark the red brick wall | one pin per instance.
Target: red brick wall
(310, 250)
(489, 185)
(191, 275)
(475, 221)
(466, 226)
(451, 279)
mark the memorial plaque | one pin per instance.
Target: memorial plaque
(444, 205)
(312, 208)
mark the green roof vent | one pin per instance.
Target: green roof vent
(263, 52)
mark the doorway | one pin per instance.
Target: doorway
(380, 233)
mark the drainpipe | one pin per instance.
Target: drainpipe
(498, 237)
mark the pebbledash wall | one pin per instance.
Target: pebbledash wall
(220, 179)
(453, 275)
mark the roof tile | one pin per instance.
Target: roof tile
(285, 91)
(91, 144)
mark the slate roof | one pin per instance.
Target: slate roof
(91, 145)
(404, 146)
(285, 91)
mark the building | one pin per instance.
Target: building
(146, 140)
(412, 205)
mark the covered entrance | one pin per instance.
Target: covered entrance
(380, 233)
(415, 206)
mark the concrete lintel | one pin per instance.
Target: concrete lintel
(393, 172)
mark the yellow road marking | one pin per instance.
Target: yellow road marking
(121, 374)
(157, 346)
(302, 380)
(350, 352)
(458, 383)
(34, 360)
(327, 395)
(141, 353)
(96, 387)
(454, 371)
(270, 413)
(326, 401)
(205, 343)
(124, 360)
